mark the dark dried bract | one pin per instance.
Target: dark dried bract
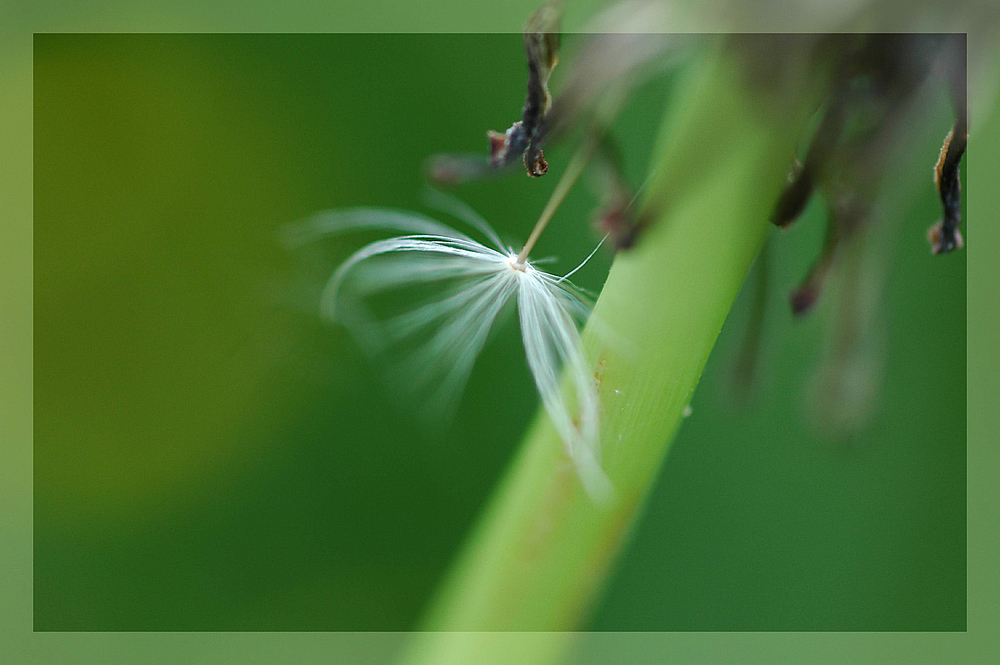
(616, 55)
(945, 236)
(875, 82)
(806, 176)
(524, 138)
(847, 213)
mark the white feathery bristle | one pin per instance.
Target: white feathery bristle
(552, 341)
(445, 334)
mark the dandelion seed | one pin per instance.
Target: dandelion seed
(474, 284)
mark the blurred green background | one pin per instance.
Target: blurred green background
(209, 455)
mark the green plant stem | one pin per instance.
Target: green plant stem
(541, 551)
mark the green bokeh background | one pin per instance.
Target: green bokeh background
(210, 456)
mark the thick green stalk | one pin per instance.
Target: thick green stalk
(541, 551)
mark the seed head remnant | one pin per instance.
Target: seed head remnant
(438, 340)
